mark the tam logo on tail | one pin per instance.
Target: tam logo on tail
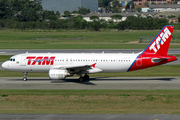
(160, 40)
(160, 44)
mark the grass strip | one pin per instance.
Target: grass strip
(4, 58)
(90, 101)
(16, 39)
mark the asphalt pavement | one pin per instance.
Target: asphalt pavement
(144, 83)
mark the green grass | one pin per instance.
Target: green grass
(90, 101)
(161, 71)
(38, 39)
(4, 58)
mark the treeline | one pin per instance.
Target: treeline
(21, 10)
(31, 10)
(29, 14)
(138, 23)
(79, 23)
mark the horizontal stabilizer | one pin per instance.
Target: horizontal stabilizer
(159, 59)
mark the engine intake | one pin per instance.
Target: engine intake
(56, 74)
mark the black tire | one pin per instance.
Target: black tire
(86, 77)
(81, 79)
(24, 79)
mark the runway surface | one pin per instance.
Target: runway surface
(87, 117)
(146, 83)
(18, 51)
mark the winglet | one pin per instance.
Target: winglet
(93, 65)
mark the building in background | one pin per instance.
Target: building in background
(141, 2)
(167, 7)
(69, 5)
(124, 2)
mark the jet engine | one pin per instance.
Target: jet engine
(57, 74)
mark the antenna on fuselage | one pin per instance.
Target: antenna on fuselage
(27, 52)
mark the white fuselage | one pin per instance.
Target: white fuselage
(106, 62)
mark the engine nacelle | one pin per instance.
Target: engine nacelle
(56, 74)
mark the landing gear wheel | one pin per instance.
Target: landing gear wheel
(25, 79)
(81, 79)
(86, 77)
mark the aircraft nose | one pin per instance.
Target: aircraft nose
(4, 65)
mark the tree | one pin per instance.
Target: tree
(100, 3)
(146, 4)
(83, 10)
(80, 23)
(172, 16)
(116, 17)
(116, 10)
(74, 12)
(52, 17)
(104, 23)
(96, 25)
(175, 2)
(5, 9)
(58, 14)
(48, 13)
(116, 4)
(104, 3)
(130, 6)
(29, 10)
(67, 13)
(139, 9)
(94, 18)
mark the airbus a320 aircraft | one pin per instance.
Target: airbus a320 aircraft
(61, 66)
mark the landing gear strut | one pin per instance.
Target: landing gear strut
(82, 79)
(25, 76)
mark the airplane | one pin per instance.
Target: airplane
(62, 65)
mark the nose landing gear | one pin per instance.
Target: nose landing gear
(25, 76)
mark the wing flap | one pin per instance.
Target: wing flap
(70, 66)
(79, 68)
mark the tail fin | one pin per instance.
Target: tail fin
(160, 44)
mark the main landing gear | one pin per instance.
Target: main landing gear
(25, 76)
(82, 79)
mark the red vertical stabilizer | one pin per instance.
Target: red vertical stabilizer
(156, 52)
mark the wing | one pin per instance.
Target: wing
(75, 69)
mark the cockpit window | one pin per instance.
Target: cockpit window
(11, 59)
